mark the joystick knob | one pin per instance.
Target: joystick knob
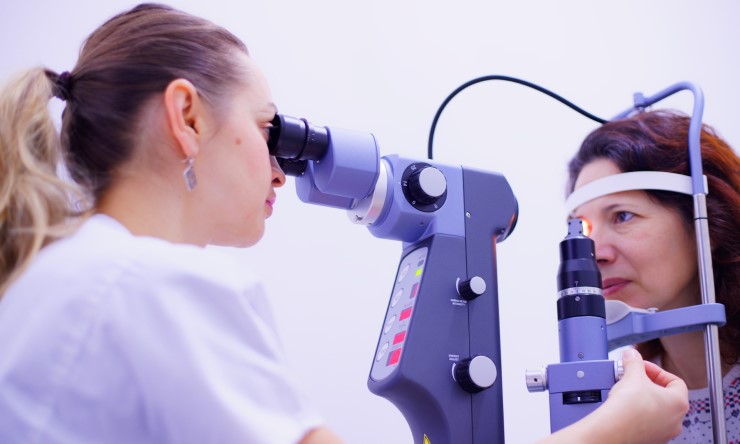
(475, 374)
(471, 288)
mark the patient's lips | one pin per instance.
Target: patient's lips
(612, 286)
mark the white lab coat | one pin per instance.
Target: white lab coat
(113, 338)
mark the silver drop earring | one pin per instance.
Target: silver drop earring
(189, 174)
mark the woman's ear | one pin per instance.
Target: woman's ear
(184, 109)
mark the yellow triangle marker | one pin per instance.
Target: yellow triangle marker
(426, 439)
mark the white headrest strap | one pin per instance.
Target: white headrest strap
(636, 180)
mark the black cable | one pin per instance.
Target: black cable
(508, 79)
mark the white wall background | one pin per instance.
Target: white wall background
(384, 67)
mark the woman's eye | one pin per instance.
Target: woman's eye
(623, 216)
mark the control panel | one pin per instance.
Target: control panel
(399, 314)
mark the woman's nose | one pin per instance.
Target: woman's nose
(604, 248)
(278, 176)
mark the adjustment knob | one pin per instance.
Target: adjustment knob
(471, 288)
(475, 374)
(536, 380)
(427, 185)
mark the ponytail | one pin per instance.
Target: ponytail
(35, 203)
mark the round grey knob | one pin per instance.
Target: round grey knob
(471, 288)
(427, 185)
(475, 374)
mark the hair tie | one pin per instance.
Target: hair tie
(63, 86)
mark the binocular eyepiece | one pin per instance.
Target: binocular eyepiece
(296, 141)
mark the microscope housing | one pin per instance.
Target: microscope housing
(438, 355)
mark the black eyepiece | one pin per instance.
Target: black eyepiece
(296, 139)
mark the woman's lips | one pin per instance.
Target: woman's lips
(270, 202)
(613, 285)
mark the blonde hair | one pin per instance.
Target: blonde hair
(35, 203)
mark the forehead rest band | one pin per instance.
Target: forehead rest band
(636, 180)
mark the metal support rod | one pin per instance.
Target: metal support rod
(711, 337)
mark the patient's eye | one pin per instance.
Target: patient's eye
(623, 216)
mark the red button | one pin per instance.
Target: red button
(405, 314)
(394, 357)
(399, 337)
